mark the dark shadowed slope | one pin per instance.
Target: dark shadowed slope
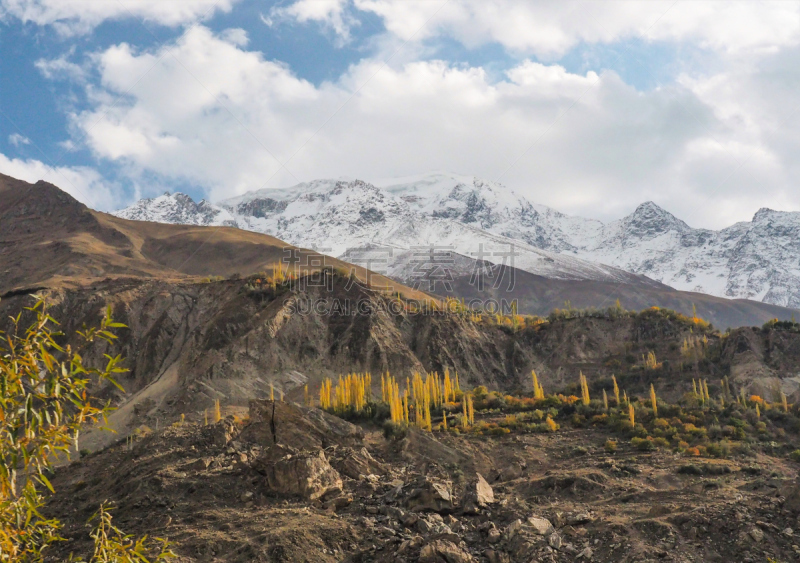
(537, 295)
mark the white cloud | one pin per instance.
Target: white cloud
(549, 29)
(82, 183)
(331, 13)
(16, 139)
(61, 68)
(225, 119)
(236, 36)
(72, 17)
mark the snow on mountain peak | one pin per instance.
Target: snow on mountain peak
(652, 218)
(756, 260)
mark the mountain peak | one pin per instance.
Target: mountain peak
(650, 208)
(649, 220)
(175, 207)
(763, 213)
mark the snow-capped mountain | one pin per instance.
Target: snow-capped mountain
(484, 220)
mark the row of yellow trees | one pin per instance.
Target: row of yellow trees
(410, 405)
(352, 391)
(410, 402)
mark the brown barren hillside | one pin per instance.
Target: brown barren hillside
(50, 240)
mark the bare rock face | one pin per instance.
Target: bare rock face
(292, 472)
(477, 495)
(418, 447)
(443, 551)
(430, 496)
(278, 422)
(356, 462)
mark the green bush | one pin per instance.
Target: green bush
(643, 444)
(394, 430)
(718, 449)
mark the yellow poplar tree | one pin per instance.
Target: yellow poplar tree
(584, 389)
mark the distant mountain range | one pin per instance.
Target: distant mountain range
(758, 260)
(50, 241)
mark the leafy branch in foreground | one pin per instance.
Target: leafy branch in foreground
(44, 402)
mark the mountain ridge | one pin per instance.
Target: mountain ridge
(747, 260)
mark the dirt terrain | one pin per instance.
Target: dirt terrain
(556, 497)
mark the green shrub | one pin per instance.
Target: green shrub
(394, 431)
(718, 449)
(643, 444)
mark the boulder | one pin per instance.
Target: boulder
(508, 473)
(430, 496)
(443, 551)
(355, 462)
(541, 526)
(303, 428)
(478, 494)
(301, 473)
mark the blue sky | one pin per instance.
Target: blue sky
(588, 110)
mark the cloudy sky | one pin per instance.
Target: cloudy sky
(589, 107)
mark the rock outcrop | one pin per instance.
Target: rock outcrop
(301, 473)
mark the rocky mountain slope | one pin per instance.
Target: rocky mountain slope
(318, 489)
(50, 240)
(189, 343)
(752, 260)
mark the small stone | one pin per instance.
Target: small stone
(493, 536)
(554, 540)
(443, 550)
(541, 526)
(586, 554)
(495, 556)
(512, 529)
(409, 519)
(756, 534)
(338, 503)
(580, 518)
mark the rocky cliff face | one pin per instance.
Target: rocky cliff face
(188, 344)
